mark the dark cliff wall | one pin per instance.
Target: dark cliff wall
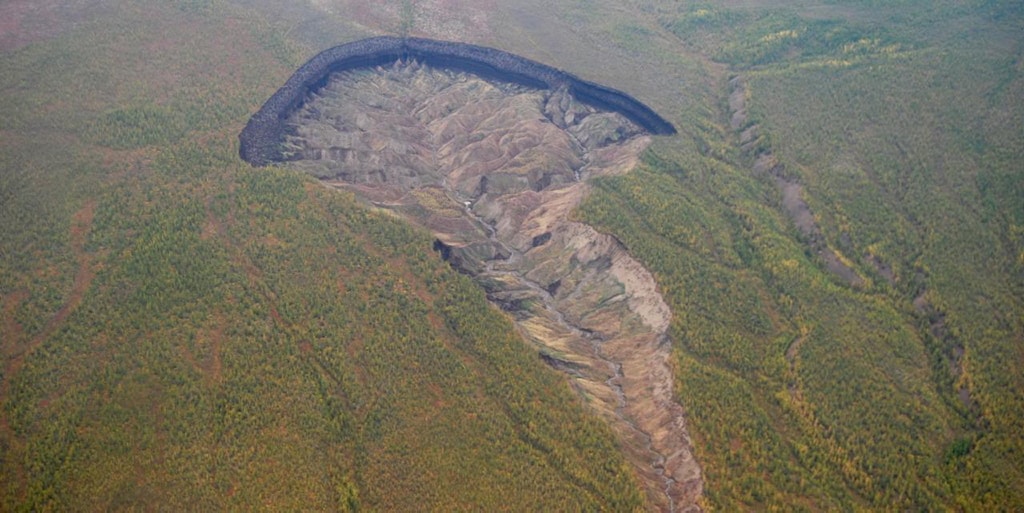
(262, 135)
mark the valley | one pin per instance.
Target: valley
(455, 288)
(494, 170)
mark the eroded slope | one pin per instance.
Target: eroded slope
(494, 170)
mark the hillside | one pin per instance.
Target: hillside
(842, 253)
(182, 331)
(837, 232)
(495, 170)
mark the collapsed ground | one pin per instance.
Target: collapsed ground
(495, 170)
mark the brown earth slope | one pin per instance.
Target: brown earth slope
(494, 171)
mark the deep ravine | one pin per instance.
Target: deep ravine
(614, 368)
(494, 171)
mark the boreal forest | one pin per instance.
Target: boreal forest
(793, 282)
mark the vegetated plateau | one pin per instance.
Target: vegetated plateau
(837, 229)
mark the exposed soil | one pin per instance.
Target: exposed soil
(954, 355)
(884, 270)
(738, 104)
(793, 202)
(260, 140)
(494, 170)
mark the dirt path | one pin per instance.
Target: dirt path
(81, 224)
(15, 350)
(12, 331)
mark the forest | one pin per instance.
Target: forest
(897, 391)
(181, 330)
(184, 331)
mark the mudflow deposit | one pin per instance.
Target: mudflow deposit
(494, 169)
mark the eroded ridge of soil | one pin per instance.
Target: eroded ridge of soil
(792, 190)
(494, 170)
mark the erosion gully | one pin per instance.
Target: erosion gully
(452, 152)
(509, 269)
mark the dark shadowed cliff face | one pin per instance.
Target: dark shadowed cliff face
(260, 140)
(494, 169)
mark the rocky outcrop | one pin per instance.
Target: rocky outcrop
(261, 138)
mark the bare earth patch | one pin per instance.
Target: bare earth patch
(792, 191)
(494, 170)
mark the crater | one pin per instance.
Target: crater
(492, 152)
(260, 140)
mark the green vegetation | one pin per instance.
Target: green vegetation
(181, 331)
(803, 391)
(758, 38)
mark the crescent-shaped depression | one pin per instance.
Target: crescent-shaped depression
(261, 138)
(492, 153)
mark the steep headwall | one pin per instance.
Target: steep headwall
(262, 135)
